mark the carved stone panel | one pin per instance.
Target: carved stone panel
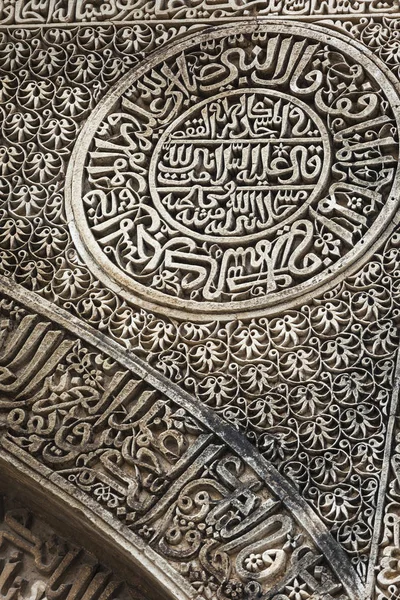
(212, 512)
(237, 171)
(36, 562)
(199, 279)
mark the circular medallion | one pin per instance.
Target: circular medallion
(237, 171)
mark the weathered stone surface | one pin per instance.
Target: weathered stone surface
(127, 447)
(64, 11)
(36, 562)
(199, 274)
(250, 185)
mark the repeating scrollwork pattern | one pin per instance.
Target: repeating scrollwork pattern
(387, 583)
(310, 388)
(380, 35)
(146, 460)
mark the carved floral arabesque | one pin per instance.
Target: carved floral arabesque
(159, 470)
(314, 355)
(388, 577)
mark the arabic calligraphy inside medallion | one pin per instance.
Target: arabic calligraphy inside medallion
(237, 171)
(240, 164)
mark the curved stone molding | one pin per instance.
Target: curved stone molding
(217, 203)
(29, 12)
(150, 458)
(310, 393)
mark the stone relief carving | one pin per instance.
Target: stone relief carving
(37, 563)
(163, 473)
(66, 11)
(310, 387)
(218, 201)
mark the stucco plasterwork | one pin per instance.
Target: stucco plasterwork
(199, 278)
(36, 562)
(217, 201)
(189, 486)
(81, 11)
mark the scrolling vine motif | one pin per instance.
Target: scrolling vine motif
(161, 472)
(272, 378)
